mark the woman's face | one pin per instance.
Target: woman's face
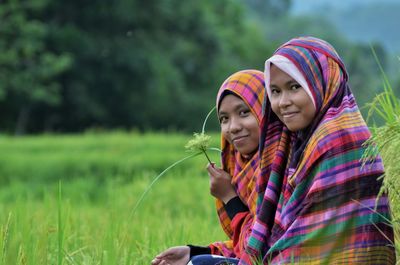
(290, 101)
(238, 124)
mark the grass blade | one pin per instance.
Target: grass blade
(157, 178)
(60, 229)
(203, 128)
(5, 239)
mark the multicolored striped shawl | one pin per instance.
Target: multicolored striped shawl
(249, 86)
(321, 205)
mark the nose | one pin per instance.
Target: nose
(235, 125)
(285, 99)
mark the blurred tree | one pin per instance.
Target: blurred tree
(27, 68)
(148, 64)
(72, 65)
(364, 74)
(270, 8)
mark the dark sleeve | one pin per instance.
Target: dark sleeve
(197, 250)
(235, 206)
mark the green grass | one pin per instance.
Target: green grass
(50, 158)
(68, 199)
(86, 217)
(386, 141)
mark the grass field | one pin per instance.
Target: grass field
(69, 199)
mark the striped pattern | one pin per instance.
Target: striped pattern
(249, 86)
(320, 205)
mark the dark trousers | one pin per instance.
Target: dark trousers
(212, 260)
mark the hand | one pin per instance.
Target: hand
(220, 184)
(179, 255)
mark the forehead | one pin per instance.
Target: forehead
(278, 75)
(230, 101)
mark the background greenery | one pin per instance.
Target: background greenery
(91, 219)
(67, 66)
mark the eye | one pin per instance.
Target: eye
(223, 119)
(295, 86)
(244, 112)
(275, 90)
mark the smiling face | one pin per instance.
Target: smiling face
(238, 124)
(290, 101)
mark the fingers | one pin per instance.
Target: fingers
(159, 261)
(155, 261)
(166, 253)
(213, 169)
(164, 262)
(210, 166)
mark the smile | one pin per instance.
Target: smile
(288, 114)
(239, 139)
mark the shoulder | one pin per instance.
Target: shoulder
(339, 133)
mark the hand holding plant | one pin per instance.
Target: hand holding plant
(197, 145)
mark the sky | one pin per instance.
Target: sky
(363, 26)
(307, 6)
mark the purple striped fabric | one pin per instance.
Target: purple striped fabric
(320, 205)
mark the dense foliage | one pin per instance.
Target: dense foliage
(67, 66)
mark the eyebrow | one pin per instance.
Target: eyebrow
(238, 106)
(287, 83)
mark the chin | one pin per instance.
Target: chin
(293, 128)
(242, 152)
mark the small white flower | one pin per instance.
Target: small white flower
(199, 142)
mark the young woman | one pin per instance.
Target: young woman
(239, 109)
(321, 204)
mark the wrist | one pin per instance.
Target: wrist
(235, 206)
(228, 197)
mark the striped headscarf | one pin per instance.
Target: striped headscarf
(248, 85)
(321, 204)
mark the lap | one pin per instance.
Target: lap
(212, 260)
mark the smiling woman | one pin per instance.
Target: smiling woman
(290, 100)
(239, 107)
(322, 205)
(238, 125)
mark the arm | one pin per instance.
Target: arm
(179, 255)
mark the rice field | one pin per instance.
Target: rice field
(69, 199)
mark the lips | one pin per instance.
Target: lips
(288, 114)
(238, 138)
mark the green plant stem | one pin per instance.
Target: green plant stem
(205, 120)
(205, 153)
(156, 178)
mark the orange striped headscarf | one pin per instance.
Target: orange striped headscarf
(249, 86)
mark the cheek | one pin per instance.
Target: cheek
(310, 111)
(255, 132)
(224, 132)
(275, 106)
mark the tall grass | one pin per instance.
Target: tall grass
(50, 158)
(87, 219)
(386, 141)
